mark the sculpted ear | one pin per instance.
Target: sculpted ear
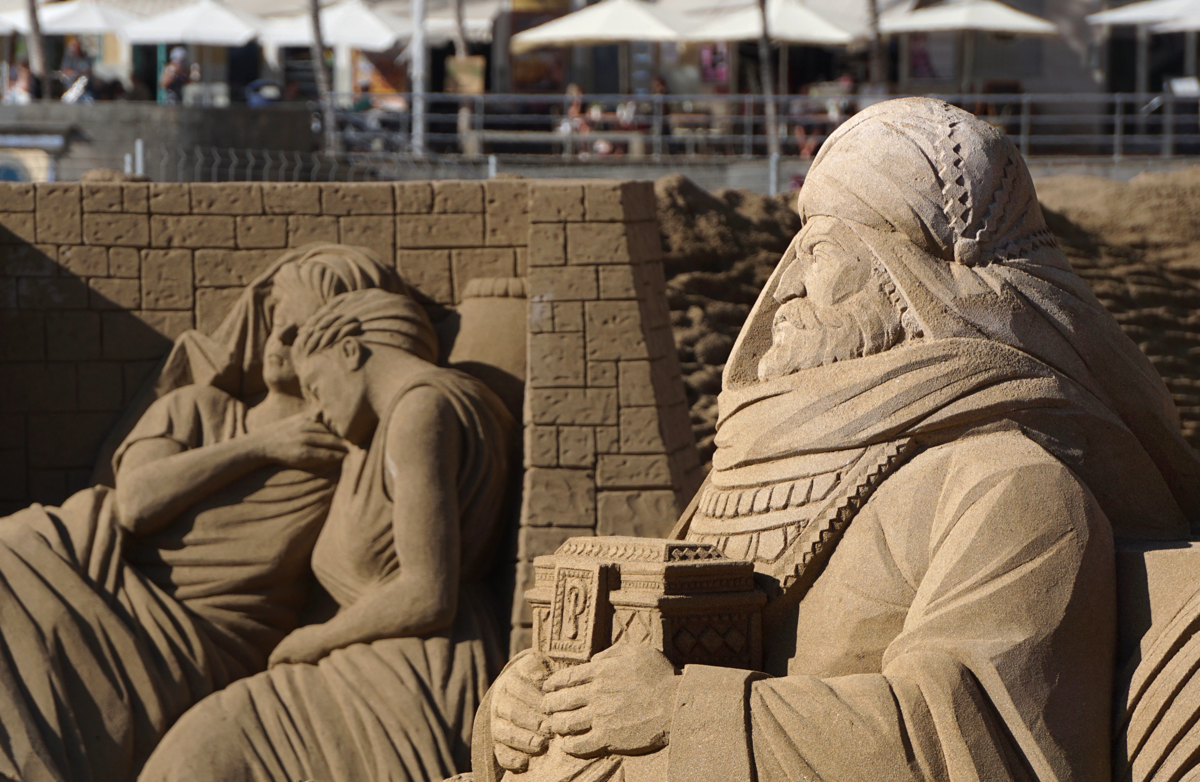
(352, 353)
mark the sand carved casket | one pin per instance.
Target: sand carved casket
(685, 599)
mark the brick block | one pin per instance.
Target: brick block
(17, 228)
(59, 213)
(597, 243)
(29, 260)
(521, 615)
(507, 206)
(124, 262)
(261, 231)
(602, 374)
(644, 241)
(124, 230)
(305, 229)
(24, 338)
(484, 262)
(620, 201)
(377, 233)
(567, 283)
(636, 384)
(192, 231)
(167, 280)
(547, 244)
(83, 260)
(522, 261)
(8, 293)
(16, 197)
(640, 431)
(227, 198)
(556, 361)
(114, 294)
(73, 336)
(608, 439)
(135, 375)
(63, 440)
(142, 335)
(12, 430)
(583, 406)
(558, 498)
(49, 487)
(52, 293)
(428, 271)
(212, 305)
(538, 541)
(413, 198)
(102, 197)
(14, 479)
(541, 446)
(457, 196)
(136, 197)
(555, 202)
(101, 386)
(621, 471)
(294, 198)
(676, 426)
(541, 317)
(576, 446)
(568, 316)
(439, 230)
(357, 198)
(617, 282)
(640, 514)
(170, 199)
(227, 268)
(38, 387)
(614, 331)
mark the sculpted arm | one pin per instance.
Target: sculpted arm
(422, 457)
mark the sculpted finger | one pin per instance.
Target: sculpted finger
(324, 440)
(570, 723)
(510, 759)
(520, 714)
(518, 738)
(584, 745)
(566, 700)
(570, 677)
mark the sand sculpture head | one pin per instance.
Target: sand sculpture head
(335, 345)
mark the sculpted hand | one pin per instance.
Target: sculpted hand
(519, 729)
(619, 702)
(302, 645)
(302, 441)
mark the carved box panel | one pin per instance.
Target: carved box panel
(685, 599)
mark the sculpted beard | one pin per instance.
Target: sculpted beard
(805, 335)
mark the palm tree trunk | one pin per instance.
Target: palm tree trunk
(325, 94)
(37, 51)
(877, 69)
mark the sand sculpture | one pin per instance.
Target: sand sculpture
(931, 436)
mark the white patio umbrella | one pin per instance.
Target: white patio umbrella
(350, 23)
(787, 20)
(75, 17)
(206, 22)
(1146, 12)
(1184, 24)
(606, 22)
(967, 17)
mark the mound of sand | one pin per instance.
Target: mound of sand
(1136, 243)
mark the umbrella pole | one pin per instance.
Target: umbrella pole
(764, 56)
(37, 51)
(328, 116)
(968, 65)
(1189, 53)
(417, 65)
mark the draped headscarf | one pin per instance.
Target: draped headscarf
(1010, 334)
(374, 317)
(231, 357)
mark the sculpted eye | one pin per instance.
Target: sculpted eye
(288, 335)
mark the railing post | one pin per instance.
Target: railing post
(1168, 145)
(658, 126)
(1119, 127)
(773, 174)
(1025, 122)
(749, 119)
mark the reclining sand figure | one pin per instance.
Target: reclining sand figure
(930, 431)
(122, 609)
(388, 687)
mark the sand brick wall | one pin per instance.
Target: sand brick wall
(96, 280)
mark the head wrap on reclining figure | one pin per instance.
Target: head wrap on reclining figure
(374, 317)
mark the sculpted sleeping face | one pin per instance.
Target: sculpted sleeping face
(335, 381)
(833, 303)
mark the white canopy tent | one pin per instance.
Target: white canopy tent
(966, 17)
(787, 20)
(74, 17)
(350, 23)
(1184, 24)
(1153, 16)
(606, 22)
(206, 22)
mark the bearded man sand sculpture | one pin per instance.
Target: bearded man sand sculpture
(930, 433)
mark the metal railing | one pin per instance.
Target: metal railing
(645, 126)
